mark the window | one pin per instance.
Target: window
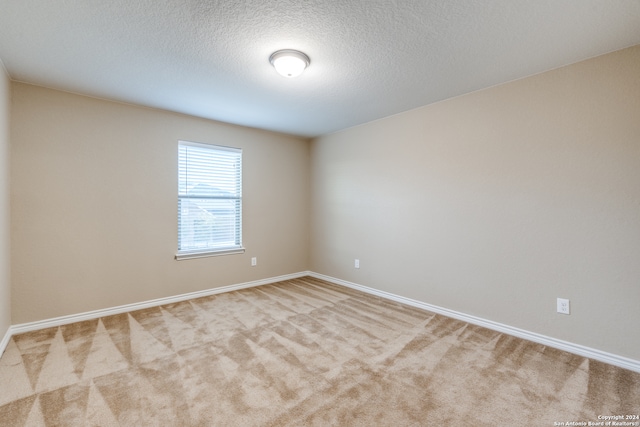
(209, 200)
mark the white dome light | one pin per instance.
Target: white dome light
(289, 63)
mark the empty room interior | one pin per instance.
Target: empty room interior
(436, 222)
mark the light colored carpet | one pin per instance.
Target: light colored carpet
(296, 353)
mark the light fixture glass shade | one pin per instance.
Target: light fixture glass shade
(289, 63)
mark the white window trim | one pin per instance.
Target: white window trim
(203, 254)
(194, 254)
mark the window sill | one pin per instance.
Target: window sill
(204, 254)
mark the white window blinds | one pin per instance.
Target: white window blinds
(209, 200)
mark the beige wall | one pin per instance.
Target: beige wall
(496, 203)
(492, 204)
(94, 204)
(5, 285)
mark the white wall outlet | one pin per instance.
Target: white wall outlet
(254, 261)
(356, 264)
(563, 306)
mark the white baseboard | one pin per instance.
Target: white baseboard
(64, 320)
(602, 356)
(580, 350)
(5, 341)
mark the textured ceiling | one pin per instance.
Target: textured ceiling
(369, 58)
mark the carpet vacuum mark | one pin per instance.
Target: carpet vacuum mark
(302, 352)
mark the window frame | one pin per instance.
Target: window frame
(223, 250)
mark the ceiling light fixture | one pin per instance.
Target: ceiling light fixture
(289, 63)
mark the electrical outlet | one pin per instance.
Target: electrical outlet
(563, 306)
(356, 264)
(254, 261)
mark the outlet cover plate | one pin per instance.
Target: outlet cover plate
(563, 306)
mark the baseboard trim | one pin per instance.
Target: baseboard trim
(602, 356)
(5, 341)
(89, 315)
(580, 350)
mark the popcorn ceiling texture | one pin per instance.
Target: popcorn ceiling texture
(298, 353)
(369, 58)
